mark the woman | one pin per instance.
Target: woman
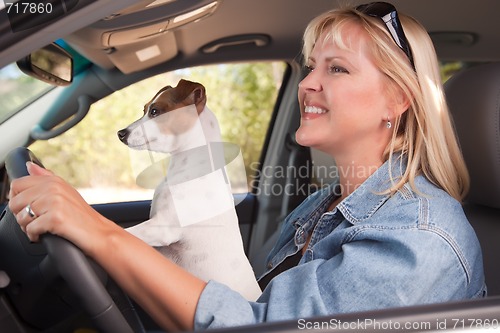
(390, 233)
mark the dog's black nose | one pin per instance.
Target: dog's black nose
(123, 135)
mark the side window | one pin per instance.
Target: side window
(91, 157)
(449, 68)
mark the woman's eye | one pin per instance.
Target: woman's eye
(309, 69)
(337, 69)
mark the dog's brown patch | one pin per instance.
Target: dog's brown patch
(169, 98)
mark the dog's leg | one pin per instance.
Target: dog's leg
(163, 227)
(156, 233)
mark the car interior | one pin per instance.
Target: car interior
(472, 96)
(114, 44)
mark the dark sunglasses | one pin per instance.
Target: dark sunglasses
(388, 14)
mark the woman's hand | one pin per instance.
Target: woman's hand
(43, 202)
(167, 292)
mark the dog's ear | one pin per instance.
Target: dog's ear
(199, 98)
(192, 93)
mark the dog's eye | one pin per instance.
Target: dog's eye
(153, 113)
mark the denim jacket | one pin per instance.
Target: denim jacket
(372, 251)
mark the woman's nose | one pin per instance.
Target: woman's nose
(310, 83)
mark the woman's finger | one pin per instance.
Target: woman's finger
(36, 170)
(35, 228)
(28, 189)
(26, 215)
(21, 184)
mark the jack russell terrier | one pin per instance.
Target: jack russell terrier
(193, 220)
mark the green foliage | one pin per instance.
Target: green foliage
(447, 69)
(242, 96)
(90, 155)
(17, 90)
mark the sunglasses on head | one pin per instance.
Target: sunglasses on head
(388, 14)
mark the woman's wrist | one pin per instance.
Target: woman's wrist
(99, 237)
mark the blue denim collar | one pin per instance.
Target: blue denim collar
(364, 201)
(308, 216)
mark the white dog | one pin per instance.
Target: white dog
(193, 220)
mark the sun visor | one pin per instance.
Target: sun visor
(140, 55)
(134, 34)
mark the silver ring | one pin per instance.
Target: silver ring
(30, 211)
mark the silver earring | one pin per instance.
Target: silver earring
(388, 124)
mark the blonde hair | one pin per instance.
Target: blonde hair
(424, 134)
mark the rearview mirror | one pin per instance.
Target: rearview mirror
(51, 64)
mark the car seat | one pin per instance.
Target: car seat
(473, 96)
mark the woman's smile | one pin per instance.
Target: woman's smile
(313, 112)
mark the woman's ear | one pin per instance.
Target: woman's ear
(399, 102)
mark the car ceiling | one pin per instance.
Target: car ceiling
(464, 30)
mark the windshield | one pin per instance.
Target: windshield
(18, 90)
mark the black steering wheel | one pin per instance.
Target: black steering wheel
(35, 271)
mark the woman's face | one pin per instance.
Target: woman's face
(344, 100)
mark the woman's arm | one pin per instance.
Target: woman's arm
(166, 291)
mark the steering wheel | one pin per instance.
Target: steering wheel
(63, 259)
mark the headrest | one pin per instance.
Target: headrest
(473, 97)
